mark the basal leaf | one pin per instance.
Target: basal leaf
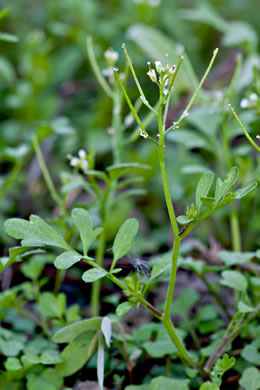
(72, 331)
(161, 382)
(250, 379)
(76, 354)
(234, 279)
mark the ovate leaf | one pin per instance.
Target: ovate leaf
(83, 223)
(67, 259)
(124, 308)
(124, 238)
(93, 274)
(250, 379)
(76, 354)
(168, 383)
(234, 279)
(72, 331)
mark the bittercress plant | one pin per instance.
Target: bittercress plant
(210, 195)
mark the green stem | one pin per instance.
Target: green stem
(95, 293)
(243, 128)
(93, 62)
(183, 353)
(60, 273)
(45, 172)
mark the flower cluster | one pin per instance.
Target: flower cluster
(79, 162)
(249, 102)
(161, 75)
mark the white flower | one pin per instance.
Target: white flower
(75, 162)
(82, 154)
(244, 103)
(107, 72)
(258, 136)
(253, 97)
(111, 56)
(158, 66)
(151, 73)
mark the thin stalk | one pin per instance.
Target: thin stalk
(252, 142)
(170, 89)
(143, 98)
(95, 293)
(93, 62)
(117, 125)
(188, 107)
(138, 120)
(45, 172)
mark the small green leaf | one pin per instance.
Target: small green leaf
(67, 259)
(251, 352)
(124, 308)
(208, 201)
(161, 382)
(203, 187)
(76, 354)
(244, 308)
(12, 364)
(124, 239)
(48, 380)
(72, 331)
(93, 274)
(83, 223)
(51, 305)
(223, 187)
(250, 379)
(244, 191)
(234, 279)
(209, 386)
(184, 219)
